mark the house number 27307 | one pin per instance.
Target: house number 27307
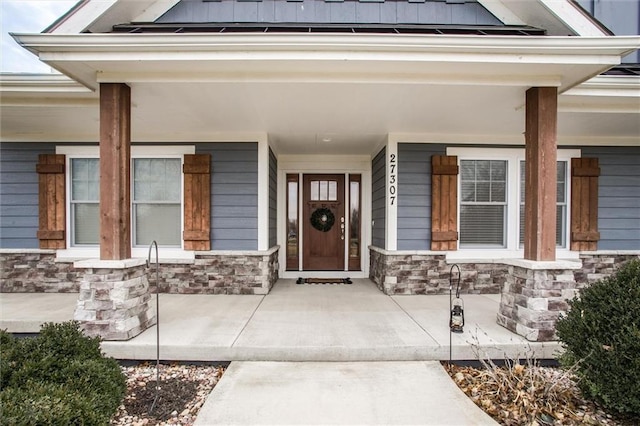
(392, 179)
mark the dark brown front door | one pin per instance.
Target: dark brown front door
(323, 222)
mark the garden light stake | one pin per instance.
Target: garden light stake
(456, 317)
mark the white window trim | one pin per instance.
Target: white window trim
(146, 151)
(513, 156)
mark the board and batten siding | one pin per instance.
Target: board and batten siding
(273, 199)
(234, 194)
(378, 199)
(414, 194)
(618, 196)
(19, 193)
(468, 12)
(621, 17)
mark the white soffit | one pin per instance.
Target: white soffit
(155, 10)
(558, 17)
(603, 94)
(99, 16)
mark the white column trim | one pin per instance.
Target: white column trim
(263, 193)
(391, 196)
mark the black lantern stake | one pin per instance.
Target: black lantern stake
(456, 306)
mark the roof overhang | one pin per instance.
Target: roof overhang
(497, 60)
(353, 90)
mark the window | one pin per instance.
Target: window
(483, 203)
(324, 190)
(354, 222)
(561, 203)
(491, 198)
(292, 223)
(156, 197)
(156, 201)
(84, 200)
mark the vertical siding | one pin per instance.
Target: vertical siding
(468, 12)
(621, 17)
(414, 194)
(19, 193)
(234, 195)
(618, 196)
(378, 199)
(273, 199)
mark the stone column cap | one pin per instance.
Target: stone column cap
(109, 264)
(544, 265)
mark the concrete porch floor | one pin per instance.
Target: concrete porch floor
(310, 322)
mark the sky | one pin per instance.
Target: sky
(26, 16)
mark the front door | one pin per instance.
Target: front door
(323, 222)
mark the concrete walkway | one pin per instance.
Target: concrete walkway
(346, 393)
(298, 323)
(369, 358)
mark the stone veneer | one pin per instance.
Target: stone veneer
(229, 272)
(251, 272)
(429, 273)
(36, 271)
(534, 294)
(114, 298)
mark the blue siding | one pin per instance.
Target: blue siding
(273, 199)
(622, 17)
(618, 196)
(468, 12)
(234, 195)
(19, 193)
(378, 199)
(414, 194)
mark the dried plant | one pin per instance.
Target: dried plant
(521, 392)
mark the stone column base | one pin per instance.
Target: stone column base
(534, 296)
(114, 299)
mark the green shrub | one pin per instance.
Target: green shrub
(601, 333)
(58, 377)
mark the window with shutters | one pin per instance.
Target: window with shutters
(561, 203)
(156, 201)
(483, 203)
(157, 197)
(491, 198)
(84, 201)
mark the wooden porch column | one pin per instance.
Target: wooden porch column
(115, 158)
(541, 173)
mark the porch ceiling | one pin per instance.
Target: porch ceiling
(328, 94)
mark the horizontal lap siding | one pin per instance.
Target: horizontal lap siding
(378, 200)
(414, 194)
(273, 199)
(19, 193)
(234, 195)
(618, 196)
(309, 11)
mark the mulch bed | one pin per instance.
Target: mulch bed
(182, 391)
(531, 395)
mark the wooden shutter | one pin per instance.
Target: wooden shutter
(197, 202)
(444, 202)
(584, 203)
(51, 201)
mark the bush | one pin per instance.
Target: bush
(601, 334)
(58, 377)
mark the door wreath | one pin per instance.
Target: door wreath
(322, 219)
